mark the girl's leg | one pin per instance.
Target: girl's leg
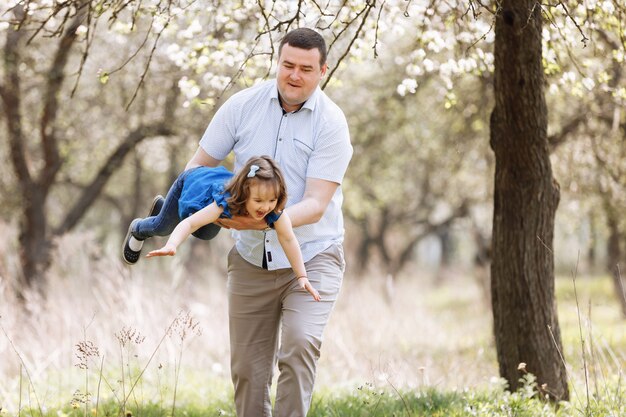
(164, 223)
(207, 232)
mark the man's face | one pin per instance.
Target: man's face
(298, 75)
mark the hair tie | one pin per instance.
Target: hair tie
(253, 170)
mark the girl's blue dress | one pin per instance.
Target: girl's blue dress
(192, 191)
(201, 187)
(204, 185)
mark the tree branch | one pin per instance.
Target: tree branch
(11, 97)
(56, 76)
(557, 139)
(89, 38)
(92, 191)
(407, 252)
(110, 166)
(368, 8)
(147, 67)
(614, 174)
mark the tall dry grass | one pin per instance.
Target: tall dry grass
(92, 296)
(436, 336)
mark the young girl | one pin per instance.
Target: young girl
(201, 195)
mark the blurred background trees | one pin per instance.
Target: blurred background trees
(103, 102)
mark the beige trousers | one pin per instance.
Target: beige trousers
(263, 304)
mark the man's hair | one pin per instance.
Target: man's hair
(305, 38)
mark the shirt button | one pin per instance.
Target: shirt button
(280, 139)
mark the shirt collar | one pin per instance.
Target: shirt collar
(309, 104)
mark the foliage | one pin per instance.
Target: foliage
(409, 56)
(583, 53)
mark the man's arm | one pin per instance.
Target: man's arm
(311, 208)
(201, 158)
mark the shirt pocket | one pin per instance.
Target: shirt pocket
(302, 148)
(295, 161)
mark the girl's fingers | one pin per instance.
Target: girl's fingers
(307, 286)
(159, 252)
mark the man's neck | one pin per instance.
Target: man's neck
(289, 109)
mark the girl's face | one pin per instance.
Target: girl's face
(262, 200)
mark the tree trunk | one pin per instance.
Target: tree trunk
(525, 201)
(614, 256)
(34, 243)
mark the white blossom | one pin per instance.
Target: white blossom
(568, 77)
(409, 85)
(429, 65)
(414, 70)
(608, 7)
(588, 83)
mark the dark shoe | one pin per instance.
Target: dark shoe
(129, 255)
(157, 205)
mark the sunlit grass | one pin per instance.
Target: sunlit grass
(426, 350)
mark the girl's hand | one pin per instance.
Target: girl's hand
(167, 250)
(306, 285)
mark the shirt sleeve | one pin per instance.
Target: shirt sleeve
(219, 137)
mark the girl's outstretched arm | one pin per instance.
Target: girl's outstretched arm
(182, 231)
(290, 245)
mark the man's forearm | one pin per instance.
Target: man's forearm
(316, 198)
(307, 211)
(201, 158)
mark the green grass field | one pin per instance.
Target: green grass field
(368, 401)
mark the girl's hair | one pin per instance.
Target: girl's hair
(267, 172)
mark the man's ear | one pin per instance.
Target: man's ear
(324, 68)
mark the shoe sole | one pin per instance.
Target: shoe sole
(125, 245)
(155, 208)
(155, 204)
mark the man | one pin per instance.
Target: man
(294, 122)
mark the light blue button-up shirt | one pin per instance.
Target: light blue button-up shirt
(312, 142)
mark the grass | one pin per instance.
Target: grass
(152, 340)
(368, 400)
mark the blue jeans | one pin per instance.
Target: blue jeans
(164, 223)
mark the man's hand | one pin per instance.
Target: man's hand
(242, 223)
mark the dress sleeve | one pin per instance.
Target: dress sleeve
(272, 218)
(220, 197)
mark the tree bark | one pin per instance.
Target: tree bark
(32, 222)
(525, 200)
(614, 256)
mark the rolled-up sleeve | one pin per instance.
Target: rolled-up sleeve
(219, 137)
